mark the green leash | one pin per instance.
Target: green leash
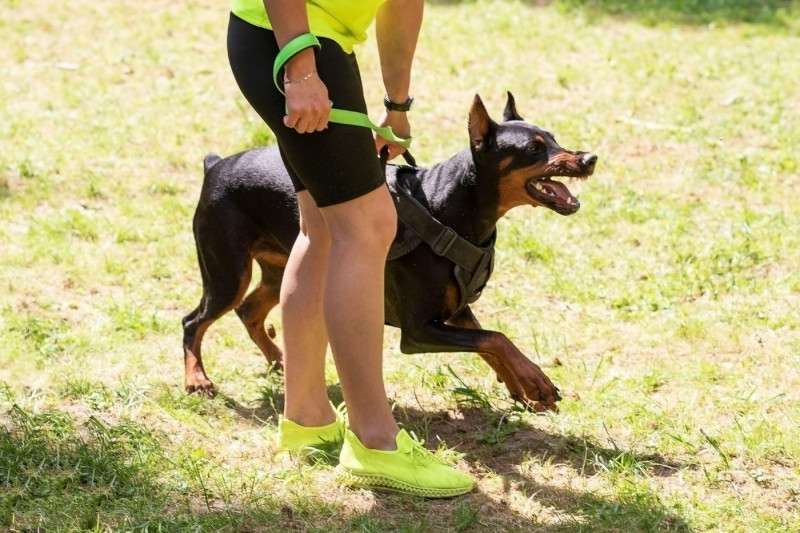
(339, 116)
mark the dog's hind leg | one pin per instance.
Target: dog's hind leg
(226, 272)
(194, 377)
(256, 306)
(212, 306)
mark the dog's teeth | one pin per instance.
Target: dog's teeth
(538, 186)
(575, 186)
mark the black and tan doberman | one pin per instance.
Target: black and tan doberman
(248, 212)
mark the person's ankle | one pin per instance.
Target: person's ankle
(373, 439)
(311, 415)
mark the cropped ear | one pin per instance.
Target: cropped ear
(510, 112)
(481, 128)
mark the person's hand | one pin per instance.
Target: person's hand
(307, 103)
(400, 126)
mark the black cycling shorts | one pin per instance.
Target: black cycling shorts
(334, 165)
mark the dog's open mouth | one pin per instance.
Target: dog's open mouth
(559, 193)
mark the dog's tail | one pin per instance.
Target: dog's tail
(209, 161)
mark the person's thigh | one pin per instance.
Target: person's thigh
(335, 165)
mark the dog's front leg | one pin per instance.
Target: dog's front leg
(524, 379)
(467, 319)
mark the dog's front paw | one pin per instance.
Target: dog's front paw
(535, 390)
(547, 405)
(539, 406)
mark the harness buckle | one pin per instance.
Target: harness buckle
(444, 241)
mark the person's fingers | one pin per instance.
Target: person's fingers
(303, 125)
(299, 124)
(324, 116)
(311, 127)
(307, 105)
(308, 120)
(317, 121)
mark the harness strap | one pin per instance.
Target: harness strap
(339, 116)
(472, 265)
(442, 239)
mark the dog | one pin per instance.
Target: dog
(248, 212)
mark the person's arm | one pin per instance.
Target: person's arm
(397, 27)
(307, 104)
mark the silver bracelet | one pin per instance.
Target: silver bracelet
(307, 77)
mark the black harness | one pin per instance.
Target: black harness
(473, 265)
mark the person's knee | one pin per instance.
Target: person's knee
(313, 227)
(384, 219)
(383, 226)
(369, 221)
(374, 228)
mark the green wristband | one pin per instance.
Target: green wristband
(298, 44)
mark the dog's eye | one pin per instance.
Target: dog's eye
(537, 147)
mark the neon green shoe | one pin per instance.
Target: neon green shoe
(410, 469)
(295, 438)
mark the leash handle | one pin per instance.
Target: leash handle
(339, 116)
(354, 118)
(291, 49)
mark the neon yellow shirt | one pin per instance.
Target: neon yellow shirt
(344, 21)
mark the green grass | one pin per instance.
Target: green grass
(666, 310)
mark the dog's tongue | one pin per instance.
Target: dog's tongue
(553, 194)
(554, 189)
(569, 187)
(574, 185)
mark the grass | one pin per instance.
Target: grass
(666, 309)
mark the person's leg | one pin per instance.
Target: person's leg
(361, 232)
(334, 167)
(304, 334)
(334, 283)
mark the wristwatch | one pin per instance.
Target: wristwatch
(394, 106)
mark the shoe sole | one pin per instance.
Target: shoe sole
(376, 481)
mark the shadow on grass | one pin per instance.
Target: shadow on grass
(502, 445)
(691, 12)
(60, 475)
(272, 400)
(500, 449)
(481, 435)
(489, 440)
(56, 475)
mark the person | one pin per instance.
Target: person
(332, 290)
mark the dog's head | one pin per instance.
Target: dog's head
(528, 163)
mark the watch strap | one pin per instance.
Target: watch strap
(394, 106)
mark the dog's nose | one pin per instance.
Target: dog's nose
(589, 160)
